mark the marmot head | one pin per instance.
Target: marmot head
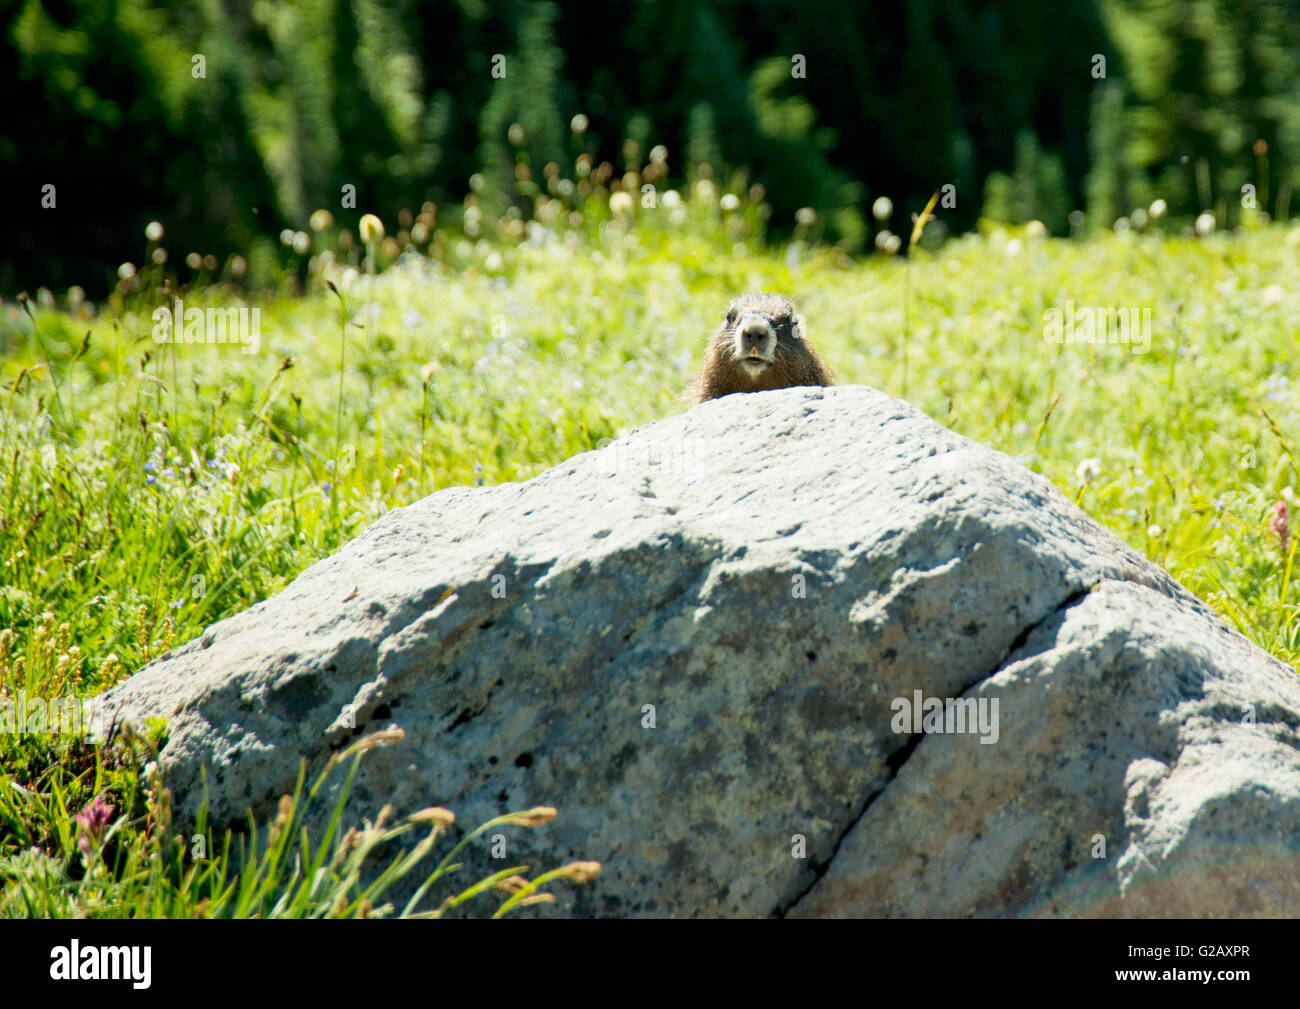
(760, 345)
(756, 326)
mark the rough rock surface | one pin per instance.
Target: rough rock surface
(770, 572)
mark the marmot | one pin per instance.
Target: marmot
(759, 346)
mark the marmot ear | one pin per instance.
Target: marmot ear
(796, 327)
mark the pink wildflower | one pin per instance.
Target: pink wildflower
(92, 821)
(1280, 526)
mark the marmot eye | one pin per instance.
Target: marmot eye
(731, 316)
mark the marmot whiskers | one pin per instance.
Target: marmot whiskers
(759, 346)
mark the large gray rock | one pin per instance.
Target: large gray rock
(771, 572)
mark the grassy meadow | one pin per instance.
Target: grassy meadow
(148, 490)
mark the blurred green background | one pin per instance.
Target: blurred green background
(1003, 100)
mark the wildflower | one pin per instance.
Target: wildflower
(91, 822)
(579, 123)
(620, 204)
(325, 489)
(1280, 526)
(1204, 223)
(320, 220)
(371, 229)
(109, 669)
(730, 202)
(1088, 470)
(1274, 294)
(882, 209)
(1157, 209)
(1277, 387)
(153, 231)
(1154, 531)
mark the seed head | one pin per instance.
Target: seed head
(371, 229)
(434, 814)
(581, 872)
(534, 817)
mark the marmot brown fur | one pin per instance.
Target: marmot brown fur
(759, 346)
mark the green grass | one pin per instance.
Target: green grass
(135, 866)
(148, 490)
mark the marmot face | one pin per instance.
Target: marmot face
(760, 345)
